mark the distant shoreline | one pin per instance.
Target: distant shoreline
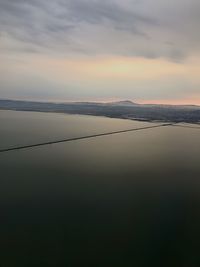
(119, 110)
(78, 114)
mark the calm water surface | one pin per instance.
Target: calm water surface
(123, 200)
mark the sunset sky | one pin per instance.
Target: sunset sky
(147, 51)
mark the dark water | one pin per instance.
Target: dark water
(124, 200)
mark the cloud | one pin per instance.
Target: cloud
(98, 12)
(147, 28)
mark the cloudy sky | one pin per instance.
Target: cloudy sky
(66, 50)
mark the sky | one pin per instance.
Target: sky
(147, 51)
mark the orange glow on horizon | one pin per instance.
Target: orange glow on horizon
(107, 78)
(188, 101)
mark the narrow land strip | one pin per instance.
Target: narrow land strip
(81, 138)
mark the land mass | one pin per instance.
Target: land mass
(122, 109)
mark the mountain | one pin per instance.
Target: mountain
(122, 103)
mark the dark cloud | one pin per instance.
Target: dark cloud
(144, 28)
(96, 12)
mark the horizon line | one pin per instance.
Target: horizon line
(99, 101)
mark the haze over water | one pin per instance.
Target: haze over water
(123, 200)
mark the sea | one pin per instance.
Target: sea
(126, 199)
